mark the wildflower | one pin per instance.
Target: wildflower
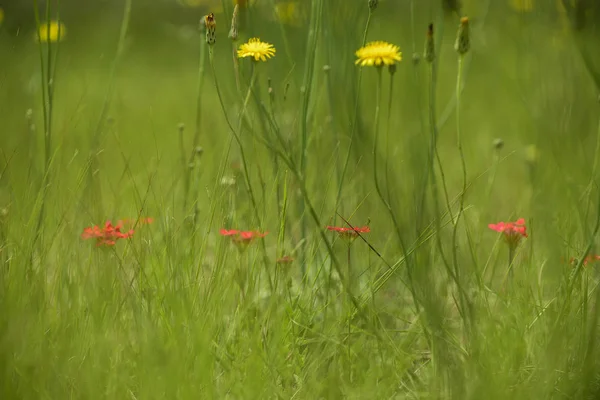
(463, 38)
(349, 234)
(257, 49)
(108, 235)
(242, 239)
(211, 26)
(429, 53)
(513, 231)
(378, 54)
(51, 32)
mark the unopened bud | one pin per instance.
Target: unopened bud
(429, 53)
(416, 58)
(392, 69)
(463, 38)
(498, 144)
(373, 4)
(211, 26)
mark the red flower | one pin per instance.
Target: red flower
(513, 231)
(349, 233)
(242, 237)
(108, 235)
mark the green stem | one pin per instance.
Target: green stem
(464, 168)
(236, 136)
(196, 140)
(354, 120)
(461, 207)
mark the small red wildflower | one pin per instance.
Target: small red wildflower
(242, 238)
(349, 233)
(108, 235)
(513, 231)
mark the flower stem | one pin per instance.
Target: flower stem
(236, 136)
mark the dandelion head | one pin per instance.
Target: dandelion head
(53, 31)
(378, 54)
(256, 49)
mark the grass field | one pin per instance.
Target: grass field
(178, 221)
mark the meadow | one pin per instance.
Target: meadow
(371, 200)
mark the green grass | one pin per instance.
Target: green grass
(419, 307)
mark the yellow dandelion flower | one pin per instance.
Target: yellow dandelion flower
(257, 49)
(52, 32)
(378, 54)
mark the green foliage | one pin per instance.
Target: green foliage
(133, 115)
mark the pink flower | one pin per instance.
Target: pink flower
(349, 233)
(513, 231)
(108, 235)
(242, 238)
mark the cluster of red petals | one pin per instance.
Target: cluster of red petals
(107, 235)
(513, 231)
(242, 236)
(349, 233)
(588, 260)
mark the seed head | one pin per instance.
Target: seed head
(233, 32)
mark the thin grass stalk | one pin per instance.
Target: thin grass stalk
(309, 62)
(238, 140)
(355, 119)
(384, 200)
(46, 64)
(464, 181)
(198, 121)
(93, 159)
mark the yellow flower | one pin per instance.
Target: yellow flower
(52, 32)
(522, 5)
(257, 49)
(378, 54)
